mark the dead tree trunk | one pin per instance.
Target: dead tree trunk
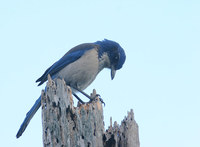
(67, 126)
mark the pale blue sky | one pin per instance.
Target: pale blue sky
(160, 79)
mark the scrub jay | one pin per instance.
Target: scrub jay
(79, 67)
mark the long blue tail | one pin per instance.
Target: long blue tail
(29, 116)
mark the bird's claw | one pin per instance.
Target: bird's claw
(101, 100)
(95, 98)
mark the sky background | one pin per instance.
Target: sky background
(160, 79)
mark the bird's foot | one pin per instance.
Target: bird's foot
(94, 97)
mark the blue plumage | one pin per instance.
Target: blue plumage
(71, 56)
(79, 68)
(114, 50)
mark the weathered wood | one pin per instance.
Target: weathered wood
(82, 126)
(124, 135)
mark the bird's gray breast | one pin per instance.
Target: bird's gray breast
(82, 72)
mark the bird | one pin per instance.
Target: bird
(79, 68)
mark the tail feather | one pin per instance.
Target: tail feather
(29, 116)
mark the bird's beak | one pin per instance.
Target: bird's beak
(113, 71)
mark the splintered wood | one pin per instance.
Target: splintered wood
(67, 126)
(124, 135)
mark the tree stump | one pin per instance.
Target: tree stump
(67, 126)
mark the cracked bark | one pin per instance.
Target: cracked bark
(67, 126)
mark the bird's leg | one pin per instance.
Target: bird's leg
(92, 97)
(78, 98)
(85, 94)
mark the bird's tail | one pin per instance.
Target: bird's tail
(29, 116)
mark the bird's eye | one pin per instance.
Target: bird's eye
(116, 57)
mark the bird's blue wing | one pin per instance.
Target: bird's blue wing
(71, 56)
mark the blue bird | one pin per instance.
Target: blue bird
(79, 68)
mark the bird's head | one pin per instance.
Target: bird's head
(114, 53)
